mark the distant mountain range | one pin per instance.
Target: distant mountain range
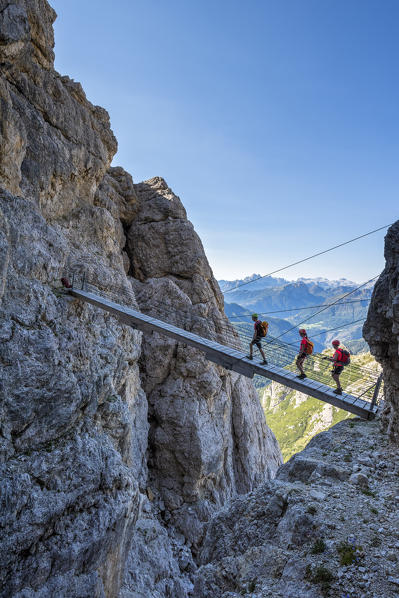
(257, 282)
(278, 301)
(294, 417)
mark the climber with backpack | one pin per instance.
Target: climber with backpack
(305, 349)
(260, 331)
(340, 359)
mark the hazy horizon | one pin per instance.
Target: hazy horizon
(288, 279)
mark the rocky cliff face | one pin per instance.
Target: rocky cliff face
(327, 526)
(188, 396)
(381, 329)
(114, 448)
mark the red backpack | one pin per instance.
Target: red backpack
(345, 358)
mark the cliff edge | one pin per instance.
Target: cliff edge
(115, 448)
(381, 329)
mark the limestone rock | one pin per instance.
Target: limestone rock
(91, 416)
(73, 414)
(117, 194)
(381, 329)
(317, 495)
(359, 479)
(276, 541)
(72, 421)
(157, 565)
(55, 145)
(230, 449)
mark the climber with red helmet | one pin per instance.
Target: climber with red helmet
(338, 365)
(303, 352)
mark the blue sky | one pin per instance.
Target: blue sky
(276, 122)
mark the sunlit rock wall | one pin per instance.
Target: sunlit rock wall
(381, 329)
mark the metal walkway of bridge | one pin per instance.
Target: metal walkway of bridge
(232, 359)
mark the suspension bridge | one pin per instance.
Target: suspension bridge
(364, 384)
(222, 342)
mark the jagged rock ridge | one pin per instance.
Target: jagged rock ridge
(326, 526)
(114, 448)
(381, 329)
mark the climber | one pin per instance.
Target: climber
(303, 352)
(338, 365)
(256, 340)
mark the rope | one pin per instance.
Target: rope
(332, 329)
(310, 257)
(283, 354)
(324, 308)
(278, 311)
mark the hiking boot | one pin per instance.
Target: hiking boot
(337, 391)
(250, 357)
(302, 376)
(264, 362)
